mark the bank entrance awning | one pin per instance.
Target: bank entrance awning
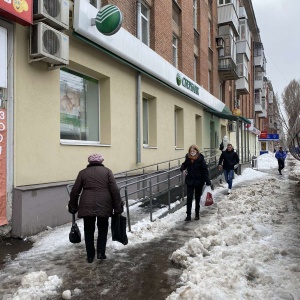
(225, 114)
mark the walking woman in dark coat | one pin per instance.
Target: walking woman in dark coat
(100, 197)
(196, 172)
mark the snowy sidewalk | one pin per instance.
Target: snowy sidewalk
(245, 247)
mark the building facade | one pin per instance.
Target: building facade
(176, 73)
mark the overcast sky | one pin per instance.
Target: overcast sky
(278, 21)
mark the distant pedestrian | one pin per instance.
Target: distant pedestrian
(99, 198)
(196, 172)
(280, 156)
(224, 143)
(228, 159)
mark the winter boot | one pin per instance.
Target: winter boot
(188, 218)
(197, 215)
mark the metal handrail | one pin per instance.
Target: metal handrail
(145, 180)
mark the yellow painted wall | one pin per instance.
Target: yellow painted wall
(39, 155)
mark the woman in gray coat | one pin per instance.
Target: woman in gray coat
(99, 198)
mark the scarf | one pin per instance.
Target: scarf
(193, 158)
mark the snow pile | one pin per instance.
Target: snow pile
(37, 285)
(240, 254)
(267, 161)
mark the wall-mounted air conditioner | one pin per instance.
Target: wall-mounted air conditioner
(52, 12)
(231, 127)
(49, 45)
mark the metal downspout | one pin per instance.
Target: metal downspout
(138, 90)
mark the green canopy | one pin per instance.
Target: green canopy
(226, 114)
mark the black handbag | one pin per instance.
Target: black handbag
(118, 229)
(74, 235)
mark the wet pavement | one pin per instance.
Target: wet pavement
(142, 272)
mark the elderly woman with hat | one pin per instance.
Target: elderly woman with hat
(99, 198)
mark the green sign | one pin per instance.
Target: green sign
(187, 84)
(109, 19)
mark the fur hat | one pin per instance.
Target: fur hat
(96, 158)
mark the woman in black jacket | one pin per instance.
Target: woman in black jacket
(196, 172)
(99, 196)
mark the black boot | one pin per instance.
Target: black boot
(188, 218)
(197, 216)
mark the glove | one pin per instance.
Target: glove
(72, 210)
(211, 185)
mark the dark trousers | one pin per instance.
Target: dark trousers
(280, 164)
(89, 231)
(189, 198)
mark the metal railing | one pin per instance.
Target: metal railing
(146, 184)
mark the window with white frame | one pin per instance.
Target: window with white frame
(96, 3)
(145, 122)
(175, 51)
(240, 65)
(195, 13)
(271, 119)
(145, 17)
(79, 107)
(178, 126)
(149, 121)
(223, 2)
(209, 32)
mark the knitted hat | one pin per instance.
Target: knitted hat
(96, 158)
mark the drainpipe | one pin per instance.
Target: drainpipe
(138, 90)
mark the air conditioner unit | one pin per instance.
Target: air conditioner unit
(231, 127)
(49, 45)
(52, 12)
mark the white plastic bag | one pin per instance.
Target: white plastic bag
(206, 198)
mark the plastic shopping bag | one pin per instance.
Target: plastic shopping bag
(207, 198)
(118, 229)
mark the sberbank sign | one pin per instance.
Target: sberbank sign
(187, 84)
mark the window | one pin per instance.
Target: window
(149, 121)
(198, 122)
(195, 13)
(178, 126)
(209, 81)
(79, 107)
(195, 68)
(271, 119)
(222, 2)
(96, 3)
(257, 96)
(175, 51)
(242, 65)
(144, 14)
(209, 33)
(145, 122)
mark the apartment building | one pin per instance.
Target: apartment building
(176, 73)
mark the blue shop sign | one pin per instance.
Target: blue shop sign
(271, 137)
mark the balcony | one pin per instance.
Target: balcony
(243, 48)
(258, 82)
(227, 15)
(227, 68)
(263, 114)
(242, 86)
(258, 108)
(270, 97)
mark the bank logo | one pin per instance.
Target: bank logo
(109, 19)
(178, 79)
(187, 84)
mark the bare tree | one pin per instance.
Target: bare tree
(291, 104)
